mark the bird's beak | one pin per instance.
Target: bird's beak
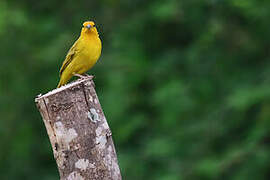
(88, 26)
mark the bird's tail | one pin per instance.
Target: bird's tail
(60, 84)
(62, 81)
(65, 77)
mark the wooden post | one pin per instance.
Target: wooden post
(79, 133)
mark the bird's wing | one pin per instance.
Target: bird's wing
(69, 57)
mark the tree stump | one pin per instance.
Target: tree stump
(79, 133)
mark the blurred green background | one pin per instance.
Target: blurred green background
(184, 84)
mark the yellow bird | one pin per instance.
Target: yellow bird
(83, 55)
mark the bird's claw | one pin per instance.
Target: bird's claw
(80, 76)
(89, 76)
(85, 76)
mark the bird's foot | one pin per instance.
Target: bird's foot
(79, 75)
(85, 76)
(88, 76)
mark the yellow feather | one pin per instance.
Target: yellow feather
(83, 55)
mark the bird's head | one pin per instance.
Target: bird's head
(89, 27)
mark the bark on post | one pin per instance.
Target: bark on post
(79, 134)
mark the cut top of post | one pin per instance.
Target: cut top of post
(67, 86)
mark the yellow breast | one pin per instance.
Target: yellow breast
(89, 52)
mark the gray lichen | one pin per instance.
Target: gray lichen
(101, 138)
(93, 115)
(64, 136)
(82, 164)
(75, 176)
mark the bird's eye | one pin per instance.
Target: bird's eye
(94, 25)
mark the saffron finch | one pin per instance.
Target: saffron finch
(83, 55)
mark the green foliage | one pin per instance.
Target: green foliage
(184, 84)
